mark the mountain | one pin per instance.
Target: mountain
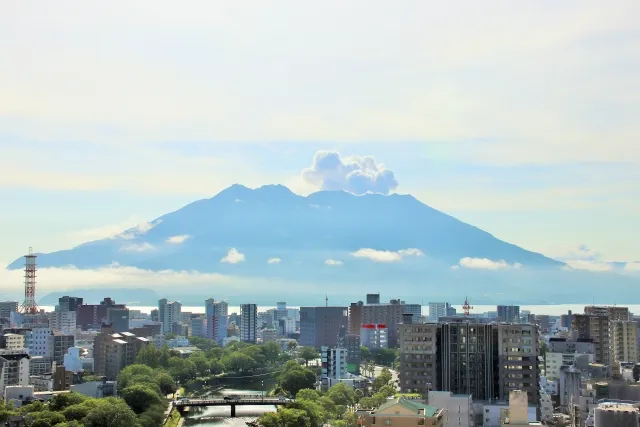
(283, 245)
(272, 220)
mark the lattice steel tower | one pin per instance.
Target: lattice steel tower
(29, 305)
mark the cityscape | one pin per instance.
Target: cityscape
(369, 360)
(351, 213)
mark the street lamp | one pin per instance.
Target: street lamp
(262, 389)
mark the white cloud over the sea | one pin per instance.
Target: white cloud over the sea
(484, 264)
(579, 252)
(233, 257)
(386, 256)
(588, 265)
(334, 262)
(274, 260)
(355, 174)
(178, 240)
(632, 267)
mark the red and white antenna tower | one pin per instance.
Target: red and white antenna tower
(466, 308)
(29, 305)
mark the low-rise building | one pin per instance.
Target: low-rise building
(403, 412)
(14, 368)
(458, 408)
(97, 389)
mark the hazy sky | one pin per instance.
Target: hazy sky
(518, 117)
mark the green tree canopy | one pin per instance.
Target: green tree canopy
(140, 397)
(111, 412)
(308, 354)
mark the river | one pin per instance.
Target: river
(220, 415)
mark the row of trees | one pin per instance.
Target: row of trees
(312, 408)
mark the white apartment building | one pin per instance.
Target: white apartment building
(374, 335)
(334, 364)
(458, 408)
(14, 341)
(14, 369)
(437, 310)
(169, 312)
(64, 321)
(553, 362)
(624, 341)
(216, 315)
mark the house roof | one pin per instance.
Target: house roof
(412, 405)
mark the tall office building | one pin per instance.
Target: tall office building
(118, 318)
(509, 313)
(169, 312)
(248, 322)
(320, 326)
(65, 314)
(216, 314)
(486, 360)
(389, 314)
(595, 328)
(92, 316)
(8, 307)
(438, 310)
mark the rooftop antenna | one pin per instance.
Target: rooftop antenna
(466, 308)
(326, 300)
(29, 305)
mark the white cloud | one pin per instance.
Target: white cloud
(106, 231)
(595, 266)
(485, 264)
(274, 261)
(579, 252)
(357, 175)
(386, 256)
(233, 257)
(334, 262)
(178, 240)
(632, 267)
(137, 247)
(139, 230)
(56, 278)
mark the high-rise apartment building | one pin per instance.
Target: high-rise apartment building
(486, 360)
(60, 343)
(595, 327)
(65, 314)
(334, 364)
(8, 307)
(614, 313)
(14, 368)
(248, 322)
(320, 326)
(169, 312)
(509, 313)
(198, 326)
(438, 310)
(624, 341)
(374, 336)
(216, 314)
(113, 352)
(92, 316)
(390, 314)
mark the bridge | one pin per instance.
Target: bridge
(243, 400)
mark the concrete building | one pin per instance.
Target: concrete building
(457, 408)
(13, 342)
(390, 314)
(569, 386)
(14, 368)
(96, 389)
(595, 328)
(169, 313)
(198, 326)
(248, 323)
(118, 318)
(320, 326)
(92, 316)
(65, 314)
(509, 313)
(75, 360)
(564, 345)
(269, 334)
(402, 413)
(612, 312)
(60, 343)
(334, 364)
(374, 336)
(113, 352)
(440, 309)
(624, 341)
(351, 342)
(484, 360)
(618, 414)
(216, 314)
(555, 361)
(8, 307)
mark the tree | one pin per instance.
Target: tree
(385, 356)
(216, 367)
(271, 351)
(365, 353)
(182, 369)
(381, 380)
(238, 362)
(308, 353)
(201, 362)
(291, 345)
(341, 394)
(165, 382)
(292, 381)
(143, 373)
(63, 400)
(111, 412)
(140, 397)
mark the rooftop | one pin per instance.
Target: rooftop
(412, 405)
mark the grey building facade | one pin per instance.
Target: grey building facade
(320, 326)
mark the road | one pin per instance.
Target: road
(394, 375)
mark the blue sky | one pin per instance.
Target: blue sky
(520, 119)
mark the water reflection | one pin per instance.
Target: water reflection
(221, 415)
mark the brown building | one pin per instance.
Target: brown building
(59, 344)
(614, 313)
(113, 352)
(595, 327)
(403, 413)
(389, 314)
(92, 316)
(62, 379)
